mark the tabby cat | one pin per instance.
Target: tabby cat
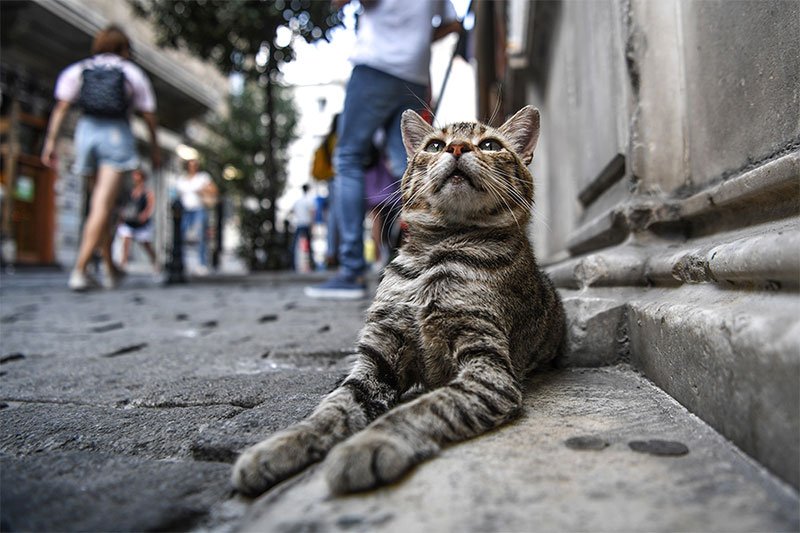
(463, 311)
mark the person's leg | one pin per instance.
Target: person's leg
(377, 233)
(188, 220)
(370, 101)
(202, 216)
(126, 250)
(332, 253)
(151, 253)
(102, 202)
(310, 247)
(409, 96)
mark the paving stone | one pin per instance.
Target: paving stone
(147, 433)
(83, 491)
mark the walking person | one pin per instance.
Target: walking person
(322, 170)
(196, 190)
(136, 221)
(303, 217)
(390, 75)
(108, 87)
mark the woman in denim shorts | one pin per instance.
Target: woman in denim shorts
(104, 145)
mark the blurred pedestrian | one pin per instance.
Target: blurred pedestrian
(322, 170)
(390, 75)
(197, 193)
(108, 87)
(303, 218)
(136, 220)
(380, 192)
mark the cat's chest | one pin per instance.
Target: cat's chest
(422, 281)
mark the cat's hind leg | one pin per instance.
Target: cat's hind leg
(483, 395)
(370, 390)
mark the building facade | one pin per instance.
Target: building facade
(668, 193)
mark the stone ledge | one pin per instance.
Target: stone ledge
(537, 474)
(731, 357)
(763, 256)
(768, 192)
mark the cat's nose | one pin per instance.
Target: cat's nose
(458, 148)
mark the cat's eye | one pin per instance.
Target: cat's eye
(434, 146)
(490, 145)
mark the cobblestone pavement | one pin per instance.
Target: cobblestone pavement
(122, 410)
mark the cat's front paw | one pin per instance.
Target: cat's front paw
(368, 460)
(269, 462)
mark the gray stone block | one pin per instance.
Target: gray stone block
(84, 491)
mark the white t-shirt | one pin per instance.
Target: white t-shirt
(303, 211)
(395, 37)
(140, 90)
(189, 190)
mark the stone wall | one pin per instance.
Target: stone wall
(668, 200)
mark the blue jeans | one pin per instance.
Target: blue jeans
(373, 100)
(333, 227)
(191, 218)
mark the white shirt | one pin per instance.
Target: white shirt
(303, 211)
(394, 37)
(140, 90)
(189, 190)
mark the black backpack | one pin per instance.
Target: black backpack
(103, 92)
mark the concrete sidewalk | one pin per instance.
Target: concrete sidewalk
(121, 410)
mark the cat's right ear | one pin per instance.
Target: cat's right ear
(414, 129)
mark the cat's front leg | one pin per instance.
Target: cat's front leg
(370, 390)
(484, 395)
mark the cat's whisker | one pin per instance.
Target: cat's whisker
(491, 186)
(497, 104)
(516, 194)
(425, 105)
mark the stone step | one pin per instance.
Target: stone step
(595, 450)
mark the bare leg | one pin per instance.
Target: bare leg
(126, 250)
(152, 255)
(96, 227)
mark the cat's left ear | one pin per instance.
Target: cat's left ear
(414, 129)
(522, 131)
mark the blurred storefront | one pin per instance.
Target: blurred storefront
(42, 210)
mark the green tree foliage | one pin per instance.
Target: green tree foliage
(239, 145)
(239, 36)
(233, 33)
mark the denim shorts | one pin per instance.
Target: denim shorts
(104, 141)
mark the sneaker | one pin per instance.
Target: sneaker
(339, 287)
(112, 279)
(81, 281)
(201, 271)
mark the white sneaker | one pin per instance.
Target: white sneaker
(201, 271)
(81, 281)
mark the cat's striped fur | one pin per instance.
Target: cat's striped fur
(463, 311)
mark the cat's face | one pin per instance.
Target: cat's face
(469, 173)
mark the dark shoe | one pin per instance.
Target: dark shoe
(339, 287)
